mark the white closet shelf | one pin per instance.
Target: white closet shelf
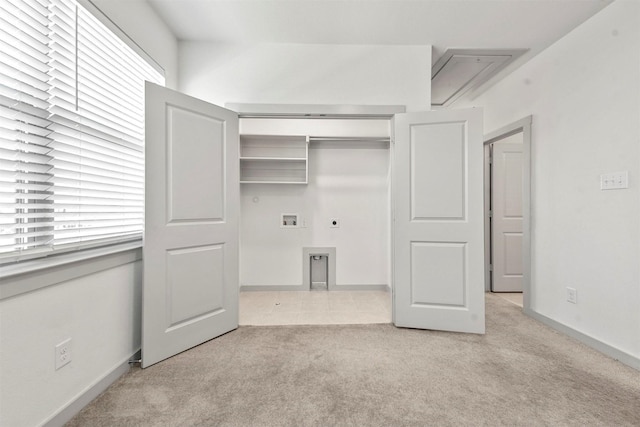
(274, 159)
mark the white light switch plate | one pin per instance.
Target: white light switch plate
(614, 180)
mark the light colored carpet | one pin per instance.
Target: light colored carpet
(520, 373)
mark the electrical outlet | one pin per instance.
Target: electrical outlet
(63, 353)
(572, 295)
(614, 180)
(334, 223)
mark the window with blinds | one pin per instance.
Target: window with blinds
(71, 130)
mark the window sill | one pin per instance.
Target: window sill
(32, 275)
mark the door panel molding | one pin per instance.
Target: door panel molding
(446, 286)
(430, 199)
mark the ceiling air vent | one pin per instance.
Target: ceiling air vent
(461, 70)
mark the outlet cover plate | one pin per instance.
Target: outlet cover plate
(63, 353)
(614, 180)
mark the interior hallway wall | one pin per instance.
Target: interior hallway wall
(584, 95)
(307, 74)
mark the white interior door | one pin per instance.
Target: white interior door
(190, 287)
(506, 220)
(438, 234)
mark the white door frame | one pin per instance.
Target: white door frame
(334, 111)
(330, 111)
(521, 126)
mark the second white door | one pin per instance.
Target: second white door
(190, 286)
(438, 243)
(506, 222)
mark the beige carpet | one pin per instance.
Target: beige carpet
(520, 373)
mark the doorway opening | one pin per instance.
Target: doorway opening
(194, 296)
(328, 262)
(507, 184)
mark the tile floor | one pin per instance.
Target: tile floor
(314, 307)
(514, 297)
(323, 307)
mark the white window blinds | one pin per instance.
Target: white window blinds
(26, 219)
(72, 130)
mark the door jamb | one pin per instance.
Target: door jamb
(334, 111)
(524, 126)
(315, 111)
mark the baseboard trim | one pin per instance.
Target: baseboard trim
(614, 353)
(385, 288)
(276, 288)
(272, 288)
(85, 397)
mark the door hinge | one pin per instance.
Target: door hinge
(490, 267)
(490, 214)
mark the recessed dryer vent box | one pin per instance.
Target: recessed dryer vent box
(289, 220)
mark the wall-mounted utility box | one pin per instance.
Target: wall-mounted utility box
(319, 268)
(289, 220)
(319, 272)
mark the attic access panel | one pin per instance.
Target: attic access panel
(461, 70)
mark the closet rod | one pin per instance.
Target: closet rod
(349, 139)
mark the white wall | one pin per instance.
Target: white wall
(346, 181)
(141, 23)
(351, 184)
(307, 74)
(584, 95)
(100, 312)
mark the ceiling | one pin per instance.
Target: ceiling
(468, 24)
